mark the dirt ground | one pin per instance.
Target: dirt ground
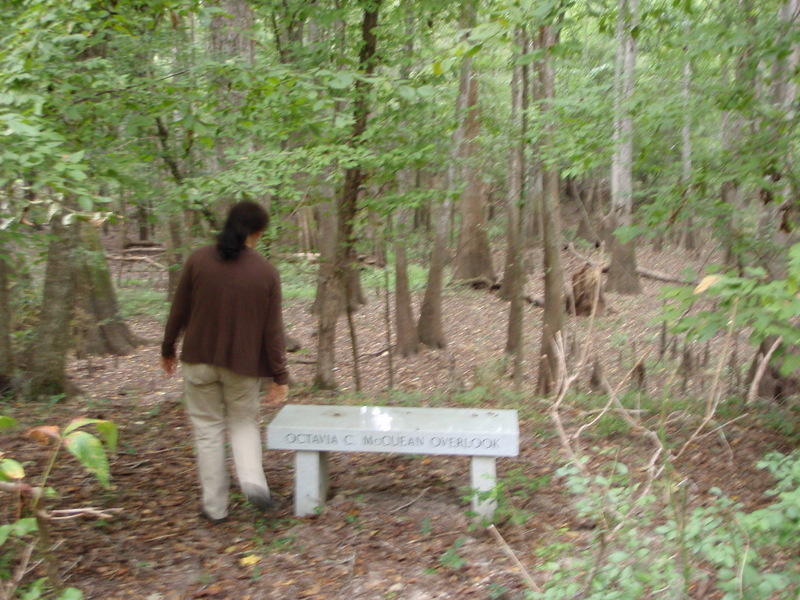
(395, 526)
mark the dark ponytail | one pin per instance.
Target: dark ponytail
(244, 219)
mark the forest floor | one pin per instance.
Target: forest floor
(395, 526)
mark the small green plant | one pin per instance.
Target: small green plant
(31, 530)
(142, 302)
(451, 558)
(768, 307)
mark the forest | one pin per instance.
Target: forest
(582, 210)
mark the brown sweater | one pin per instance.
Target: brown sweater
(230, 314)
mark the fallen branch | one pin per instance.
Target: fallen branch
(407, 504)
(20, 488)
(658, 276)
(146, 259)
(73, 513)
(510, 553)
(762, 368)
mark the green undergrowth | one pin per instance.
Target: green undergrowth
(142, 302)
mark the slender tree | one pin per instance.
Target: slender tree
(622, 275)
(6, 353)
(430, 327)
(552, 323)
(407, 337)
(514, 277)
(347, 207)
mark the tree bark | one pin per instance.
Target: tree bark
(47, 365)
(6, 353)
(688, 240)
(514, 277)
(347, 208)
(474, 257)
(552, 323)
(101, 329)
(430, 327)
(516, 176)
(407, 337)
(622, 275)
(328, 228)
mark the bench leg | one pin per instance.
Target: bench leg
(310, 481)
(483, 479)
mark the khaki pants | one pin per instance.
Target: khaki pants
(212, 395)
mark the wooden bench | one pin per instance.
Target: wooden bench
(313, 431)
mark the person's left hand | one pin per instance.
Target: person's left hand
(276, 394)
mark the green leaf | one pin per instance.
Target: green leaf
(7, 422)
(91, 454)
(109, 432)
(11, 469)
(5, 530)
(85, 203)
(23, 527)
(407, 93)
(791, 363)
(71, 594)
(341, 81)
(35, 591)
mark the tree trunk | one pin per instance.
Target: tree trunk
(230, 31)
(514, 276)
(308, 240)
(6, 354)
(688, 240)
(509, 288)
(552, 323)
(347, 208)
(407, 337)
(174, 254)
(622, 275)
(429, 327)
(101, 329)
(47, 365)
(230, 40)
(328, 228)
(474, 257)
(732, 134)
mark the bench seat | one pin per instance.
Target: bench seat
(312, 431)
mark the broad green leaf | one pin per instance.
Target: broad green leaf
(4, 531)
(85, 203)
(109, 432)
(7, 422)
(11, 469)
(25, 526)
(91, 454)
(341, 81)
(35, 591)
(407, 93)
(71, 594)
(76, 424)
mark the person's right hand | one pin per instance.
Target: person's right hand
(169, 365)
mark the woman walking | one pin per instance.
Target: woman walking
(228, 307)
